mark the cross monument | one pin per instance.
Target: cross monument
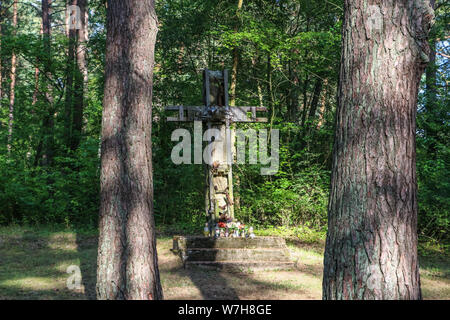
(216, 114)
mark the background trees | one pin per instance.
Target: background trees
(433, 133)
(288, 57)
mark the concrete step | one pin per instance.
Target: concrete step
(241, 265)
(182, 242)
(233, 254)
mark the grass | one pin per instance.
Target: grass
(34, 262)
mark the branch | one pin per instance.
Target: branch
(439, 5)
(443, 55)
(334, 4)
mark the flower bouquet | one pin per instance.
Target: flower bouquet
(222, 229)
(228, 228)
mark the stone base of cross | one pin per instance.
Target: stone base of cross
(217, 114)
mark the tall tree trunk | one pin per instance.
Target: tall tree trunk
(48, 123)
(305, 100)
(315, 100)
(1, 65)
(127, 258)
(323, 103)
(235, 60)
(81, 76)
(12, 90)
(36, 81)
(70, 71)
(269, 85)
(255, 60)
(371, 247)
(76, 78)
(33, 109)
(431, 69)
(306, 82)
(431, 99)
(293, 106)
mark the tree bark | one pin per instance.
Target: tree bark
(294, 96)
(255, 60)
(36, 88)
(70, 70)
(127, 258)
(1, 62)
(371, 247)
(306, 82)
(81, 76)
(76, 78)
(269, 85)
(323, 103)
(48, 123)
(12, 90)
(235, 61)
(305, 100)
(315, 100)
(431, 99)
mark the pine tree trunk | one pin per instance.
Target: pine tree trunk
(235, 61)
(81, 76)
(323, 103)
(34, 101)
(12, 90)
(371, 247)
(294, 96)
(255, 60)
(315, 100)
(70, 71)
(36, 81)
(269, 86)
(305, 100)
(127, 258)
(48, 123)
(1, 62)
(431, 99)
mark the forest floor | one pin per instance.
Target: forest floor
(33, 265)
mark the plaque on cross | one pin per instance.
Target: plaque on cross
(217, 114)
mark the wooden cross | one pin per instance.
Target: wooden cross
(217, 114)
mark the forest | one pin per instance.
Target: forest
(287, 56)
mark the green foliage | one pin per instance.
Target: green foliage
(284, 47)
(434, 202)
(433, 136)
(296, 195)
(67, 194)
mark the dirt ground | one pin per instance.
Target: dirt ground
(35, 267)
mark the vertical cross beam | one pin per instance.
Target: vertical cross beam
(220, 176)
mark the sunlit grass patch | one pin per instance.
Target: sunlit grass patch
(33, 283)
(33, 265)
(301, 233)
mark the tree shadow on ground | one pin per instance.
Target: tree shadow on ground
(87, 250)
(238, 285)
(34, 266)
(211, 283)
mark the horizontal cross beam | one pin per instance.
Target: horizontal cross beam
(216, 114)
